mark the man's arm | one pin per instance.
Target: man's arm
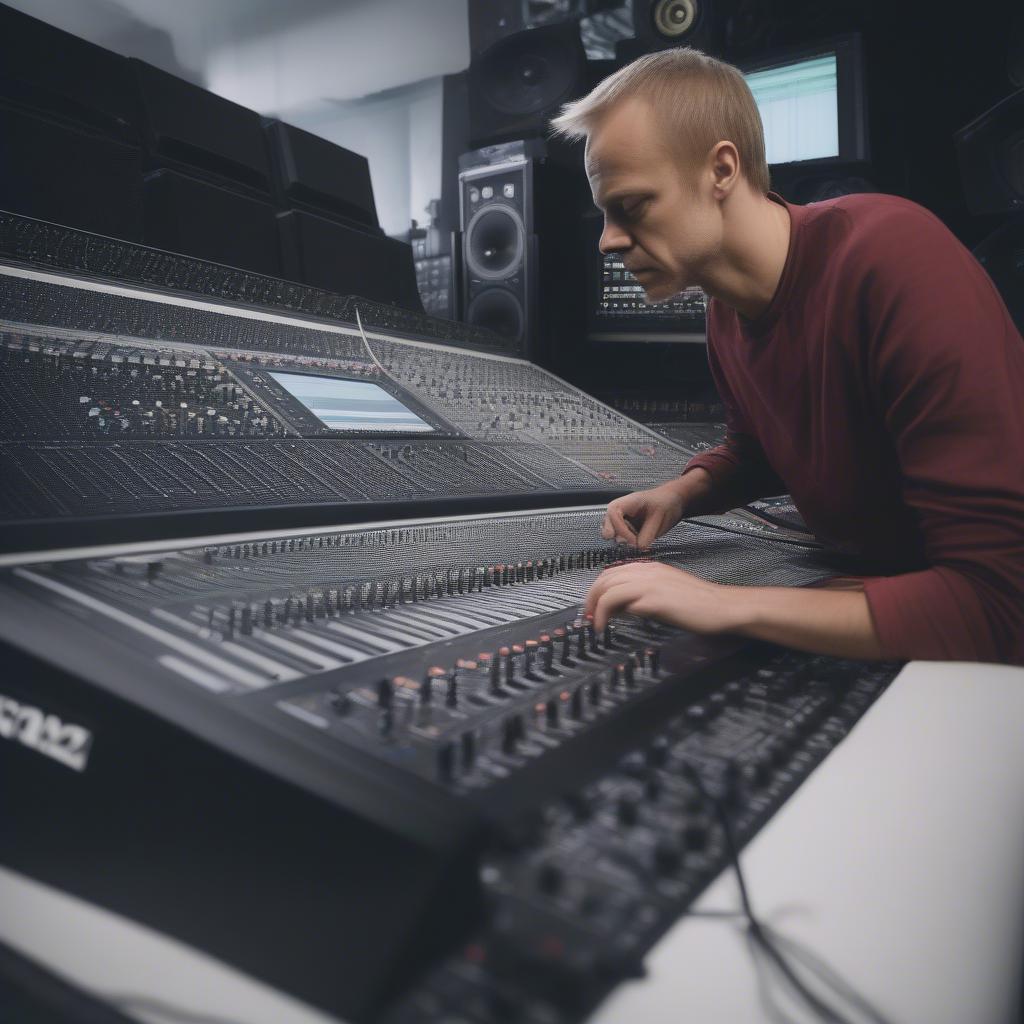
(833, 619)
(946, 365)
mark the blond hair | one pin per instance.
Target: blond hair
(698, 99)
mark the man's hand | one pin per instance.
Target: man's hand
(642, 517)
(650, 514)
(822, 620)
(652, 590)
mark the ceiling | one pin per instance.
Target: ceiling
(279, 57)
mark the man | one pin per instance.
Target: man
(867, 365)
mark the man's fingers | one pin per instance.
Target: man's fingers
(604, 580)
(614, 575)
(617, 598)
(620, 528)
(651, 530)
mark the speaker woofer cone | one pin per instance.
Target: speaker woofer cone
(498, 310)
(673, 19)
(494, 242)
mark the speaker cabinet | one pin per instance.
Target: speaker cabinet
(520, 82)
(990, 151)
(201, 219)
(189, 128)
(310, 171)
(520, 223)
(1002, 255)
(336, 257)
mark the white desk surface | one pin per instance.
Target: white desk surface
(900, 862)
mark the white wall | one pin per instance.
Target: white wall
(362, 73)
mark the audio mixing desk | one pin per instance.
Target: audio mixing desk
(898, 862)
(299, 708)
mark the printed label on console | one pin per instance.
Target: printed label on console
(46, 733)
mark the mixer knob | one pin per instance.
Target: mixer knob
(627, 811)
(385, 694)
(629, 673)
(581, 644)
(530, 651)
(434, 674)
(609, 636)
(340, 702)
(614, 677)
(508, 668)
(550, 878)
(552, 712)
(576, 704)
(695, 833)
(245, 624)
(467, 749)
(547, 653)
(564, 641)
(490, 666)
(667, 857)
(758, 771)
(446, 761)
(511, 733)
(697, 715)
(653, 660)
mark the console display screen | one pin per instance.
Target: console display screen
(351, 404)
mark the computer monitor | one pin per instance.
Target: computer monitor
(618, 311)
(812, 101)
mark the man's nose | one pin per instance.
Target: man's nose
(613, 239)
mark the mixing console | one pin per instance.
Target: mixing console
(387, 766)
(584, 885)
(692, 437)
(451, 655)
(49, 245)
(119, 402)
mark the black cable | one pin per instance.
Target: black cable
(767, 940)
(827, 972)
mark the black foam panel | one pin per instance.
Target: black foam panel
(313, 171)
(197, 218)
(184, 124)
(48, 70)
(66, 174)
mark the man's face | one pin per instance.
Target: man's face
(655, 213)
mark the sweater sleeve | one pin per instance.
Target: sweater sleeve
(739, 468)
(947, 365)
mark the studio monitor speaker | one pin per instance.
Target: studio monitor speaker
(520, 217)
(990, 151)
(520, 82)
(661, 24)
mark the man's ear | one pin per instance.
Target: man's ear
(724, 163)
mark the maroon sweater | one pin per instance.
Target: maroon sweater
(884, 389)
